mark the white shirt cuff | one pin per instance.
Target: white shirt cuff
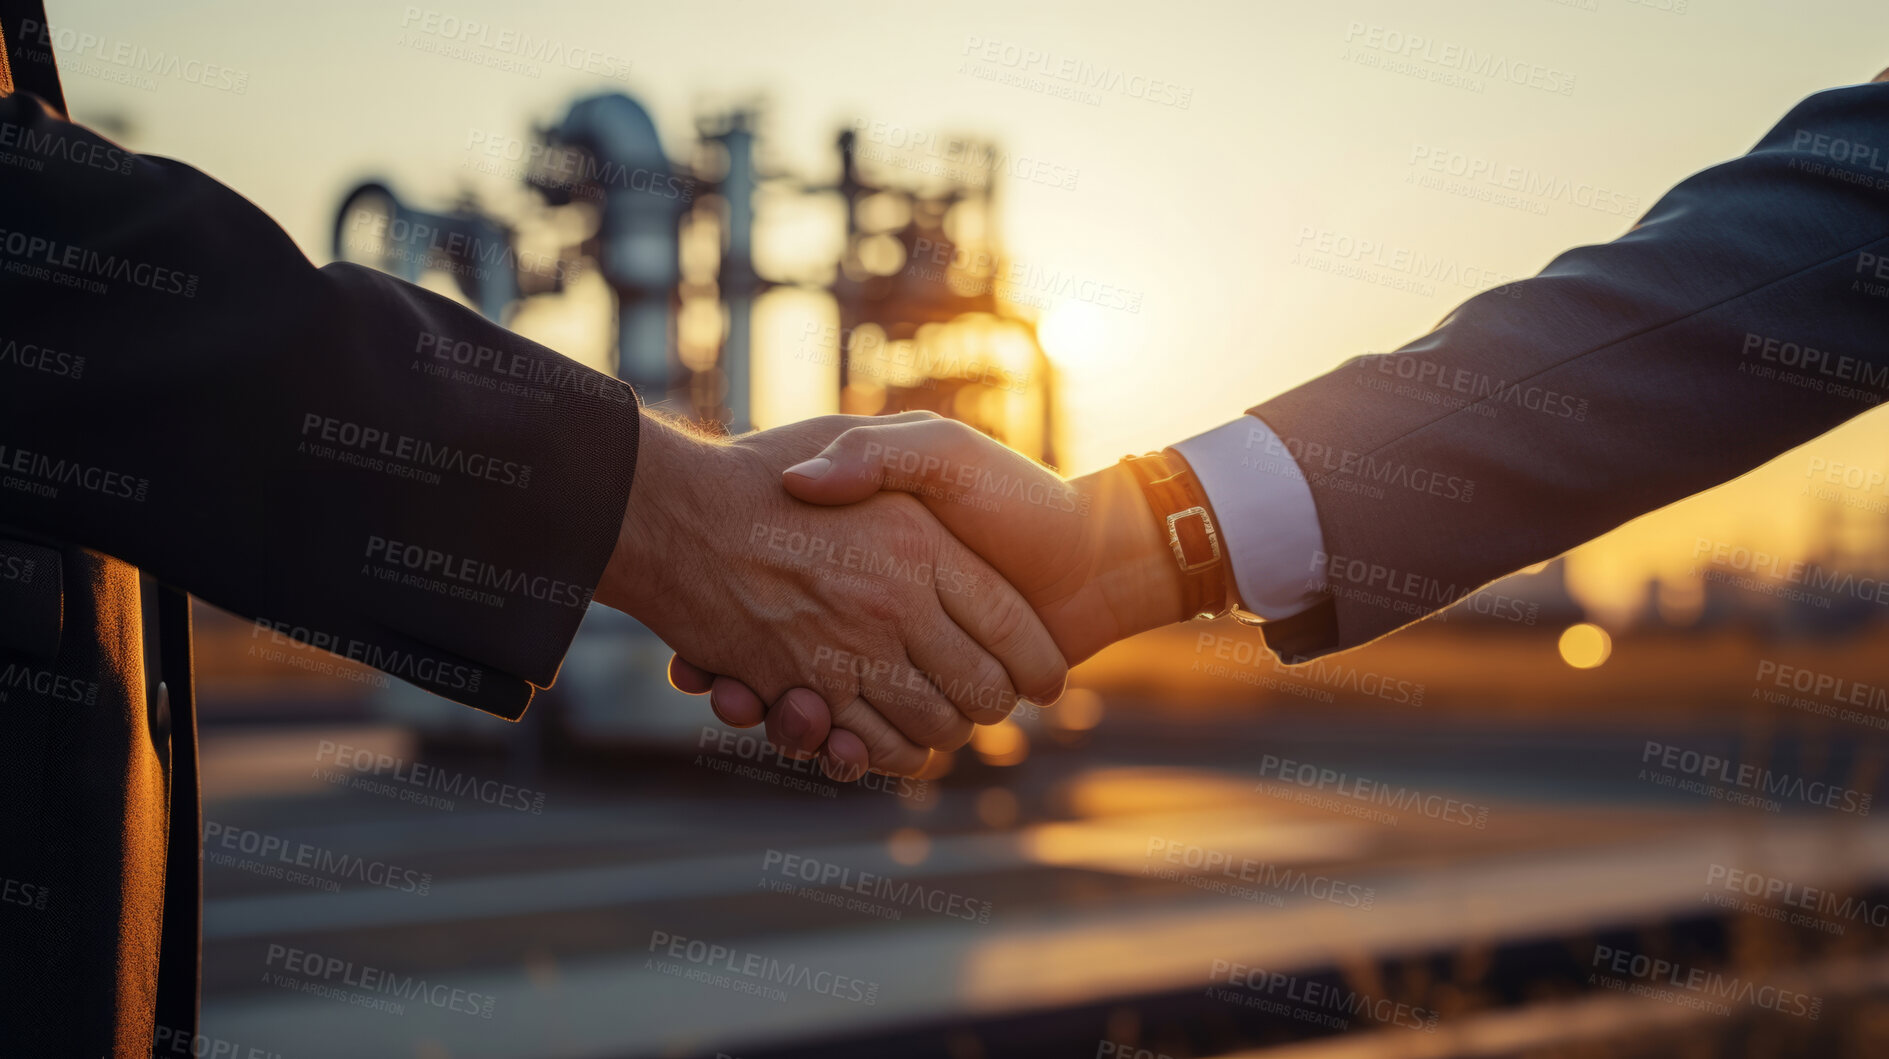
(1268, 523)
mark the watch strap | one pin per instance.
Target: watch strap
(1185, 521)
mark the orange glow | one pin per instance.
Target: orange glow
(1003, 743)
(1585, 646)
(909, 846)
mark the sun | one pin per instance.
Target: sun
(1075, 334)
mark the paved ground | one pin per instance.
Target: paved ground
(731, 903)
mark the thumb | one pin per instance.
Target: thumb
(901, 456)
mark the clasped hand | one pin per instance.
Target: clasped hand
(870, 617)
(1079, 562)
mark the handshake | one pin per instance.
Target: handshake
(871, 587)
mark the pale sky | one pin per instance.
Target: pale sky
(1290, 137)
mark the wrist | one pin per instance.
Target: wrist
(669, 511)
(1140, 581)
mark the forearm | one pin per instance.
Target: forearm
(302, 446)
(1626, 376)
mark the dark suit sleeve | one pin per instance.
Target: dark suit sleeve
(356, 463)
(1747, 312)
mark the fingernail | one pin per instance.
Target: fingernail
(813, 468)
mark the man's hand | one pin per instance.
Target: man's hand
(899, 630)
(1086, 553)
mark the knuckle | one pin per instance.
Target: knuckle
(939, 724)
(991, 697)
(885, 750)
(1009, 620)
(957, 732)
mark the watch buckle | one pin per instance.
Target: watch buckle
(1174, 539)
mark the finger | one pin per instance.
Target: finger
(907, 456)
(886, 748)
(689, 678)
(994, 615)
(735, 703)
(904, 694)
(798, 722)
(979, 489)
(936, 459)
(845, 758)
(970, 677)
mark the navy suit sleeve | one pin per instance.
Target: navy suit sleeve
(1746, 313)
(352, 461)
